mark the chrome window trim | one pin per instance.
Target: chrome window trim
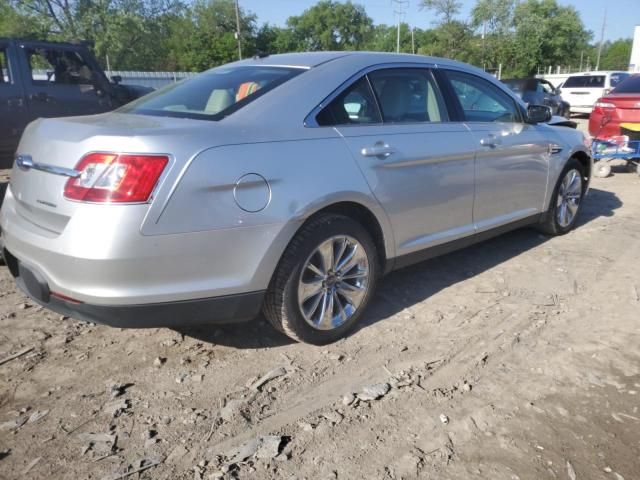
(310, 119)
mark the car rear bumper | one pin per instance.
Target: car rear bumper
(223, 309)
(101, 258)
(581, 109)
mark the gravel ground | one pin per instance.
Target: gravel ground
(518, 358)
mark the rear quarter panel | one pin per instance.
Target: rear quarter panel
(303, 176)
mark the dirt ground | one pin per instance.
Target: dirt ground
(518, 358)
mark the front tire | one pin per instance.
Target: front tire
(324, 280)
(566, 201)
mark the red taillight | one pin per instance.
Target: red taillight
(602, 105)
(115, 178)
(66, 298)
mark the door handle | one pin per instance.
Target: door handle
(15, 102)
(40, 96)
(380, 151)
(491, 142)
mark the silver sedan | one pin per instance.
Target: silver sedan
(286, 184)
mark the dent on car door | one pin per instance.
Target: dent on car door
(512, 156)
(418, 165)
(12, 108)
(62, 83)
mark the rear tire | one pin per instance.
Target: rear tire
(333, 262)
(566, 201)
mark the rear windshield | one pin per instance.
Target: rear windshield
(214, 94)
(616, 78)
(630, 85)
(585, 81)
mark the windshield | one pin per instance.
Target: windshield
(630, 85)
(585, 81)
(214, 94)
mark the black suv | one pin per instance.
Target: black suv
(45, 79)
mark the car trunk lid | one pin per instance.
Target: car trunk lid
(59, 144)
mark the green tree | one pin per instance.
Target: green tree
(445, 9)
(205, 35)
(14, 23)
(494, 19)
(547, 34)
(453, 37)
(453, 40)
(330, 25)
(384, 38)
(127, 33)
(270, 39)
(616, 55)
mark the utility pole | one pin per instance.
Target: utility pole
(398, 37)
(238, 31)
(413, 41)
(398, 10)
(604, 24)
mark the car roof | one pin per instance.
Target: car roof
(45, 43)
(314, 59)
(596, 72)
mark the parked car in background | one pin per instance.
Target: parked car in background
(615, 110)
(287, 184)
(583, 90)
(71, 83)
(537, 91)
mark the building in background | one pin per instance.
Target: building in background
(634, 63)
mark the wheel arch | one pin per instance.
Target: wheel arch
(585, 161)
(365, 217)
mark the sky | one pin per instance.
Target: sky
(622, 15)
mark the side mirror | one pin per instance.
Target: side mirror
(558, 91)
(538, 113)
(116, 79)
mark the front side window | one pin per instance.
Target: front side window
(356, 105)
(59, 67)
(408, 95)
(480, 100)
(214, 94)
(4, 67)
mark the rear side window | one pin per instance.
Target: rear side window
(407, 96)
(480, 100)
(354, 106)
(616, 78)
(585, 81)
(214, 94)
(4, 67)
(630, 85)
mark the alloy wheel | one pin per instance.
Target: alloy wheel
(569, 197)
(333, 282)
